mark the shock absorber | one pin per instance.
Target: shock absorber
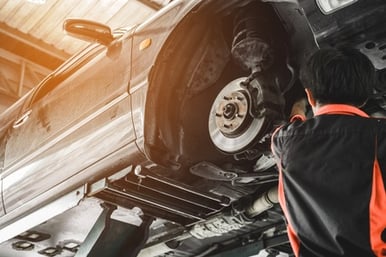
(252, 37)
(259, 45)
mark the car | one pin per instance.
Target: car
(175, 116)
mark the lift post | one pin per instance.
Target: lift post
(113, 238)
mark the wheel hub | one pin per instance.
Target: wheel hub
(232, 113)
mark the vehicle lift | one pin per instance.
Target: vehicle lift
(113, 238)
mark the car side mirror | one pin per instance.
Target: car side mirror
(88, 30)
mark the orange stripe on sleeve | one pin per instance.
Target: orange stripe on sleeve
(377, 212)
(294, 240)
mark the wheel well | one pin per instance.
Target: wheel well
(197, 47)
(194, 64)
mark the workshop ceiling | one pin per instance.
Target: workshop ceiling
(33, 43)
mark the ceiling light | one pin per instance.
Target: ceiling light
(38, 2)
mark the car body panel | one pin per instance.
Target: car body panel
(78, 113)
(156, 30)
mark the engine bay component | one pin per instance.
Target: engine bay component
(235, 175)
(235, 219)
(264, 162)
(212, 172)
(218, 226)
(263, 203)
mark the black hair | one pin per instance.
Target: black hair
(339, 75)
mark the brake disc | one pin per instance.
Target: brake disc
(231, 127)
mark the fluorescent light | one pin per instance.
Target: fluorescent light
(330, 6)
(39, 2)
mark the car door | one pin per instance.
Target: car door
(78, 116)
(7, 119)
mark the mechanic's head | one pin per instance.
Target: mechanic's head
(338, 75)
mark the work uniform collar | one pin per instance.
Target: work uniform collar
(343, 109)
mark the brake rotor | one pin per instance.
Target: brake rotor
(231, 127)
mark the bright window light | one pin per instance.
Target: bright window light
(330, 6)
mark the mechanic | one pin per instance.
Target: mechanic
(333, 165)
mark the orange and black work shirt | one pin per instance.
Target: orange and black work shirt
(332, 183)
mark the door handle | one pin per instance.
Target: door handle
(22, 119)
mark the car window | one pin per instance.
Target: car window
(73, 92)
(65, 71)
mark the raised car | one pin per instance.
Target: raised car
(174, 116)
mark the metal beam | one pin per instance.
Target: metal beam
(152, 4)
(5, 101)
(31, 48)
(17, 76)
